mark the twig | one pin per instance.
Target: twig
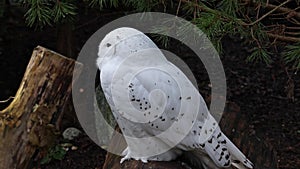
(292, 33)
(258, 10)
(256, 40)
(267, 5)
(195, 11)
(4, 101)
(295, 21)
(291, 20)
(268, 13)
(203, 7)
(283, 9)
(177, 11)
(279, 9)
(294, 28)
(279, 97)
(283, 38)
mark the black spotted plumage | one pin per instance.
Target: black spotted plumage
(140, 93)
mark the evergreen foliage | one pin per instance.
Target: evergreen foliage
(46, 12)
(265, 26)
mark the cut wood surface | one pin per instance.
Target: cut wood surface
(28, 124)
(234, 125)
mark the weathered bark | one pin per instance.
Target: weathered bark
(27, 125)
(234, 125)
(113, 162)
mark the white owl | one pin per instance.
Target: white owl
(159, 111)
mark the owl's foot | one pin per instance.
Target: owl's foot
(127, 155)
(125, 158)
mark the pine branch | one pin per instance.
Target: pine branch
(283, 38)
(242, 23)
(267, 14)
(284, 10)
(215, 18)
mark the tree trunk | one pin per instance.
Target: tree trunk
(27, 125)
(65, 39)
(233, 124)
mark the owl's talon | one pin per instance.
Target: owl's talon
(124, 158)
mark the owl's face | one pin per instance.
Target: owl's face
(107, 48)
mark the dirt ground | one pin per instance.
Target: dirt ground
(260, 90)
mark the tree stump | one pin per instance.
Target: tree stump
(233, 124)
(27, 125)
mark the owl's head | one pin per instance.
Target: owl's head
(122, 42)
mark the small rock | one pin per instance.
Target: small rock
(66, 148)
(71, 133)
(74, 148)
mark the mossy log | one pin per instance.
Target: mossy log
(28, 124)
(233, 124)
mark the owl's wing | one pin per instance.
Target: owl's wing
(219, 148)
(153, 89)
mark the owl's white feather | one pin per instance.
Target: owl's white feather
(144, 95)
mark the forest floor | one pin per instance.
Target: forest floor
(260, 90)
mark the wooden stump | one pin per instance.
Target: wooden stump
(27, 125)
(234, 125)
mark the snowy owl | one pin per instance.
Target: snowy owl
(159, 111)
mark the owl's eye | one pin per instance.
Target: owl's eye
(108, 45)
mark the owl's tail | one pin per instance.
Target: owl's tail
(224, 153)
(239, 160)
